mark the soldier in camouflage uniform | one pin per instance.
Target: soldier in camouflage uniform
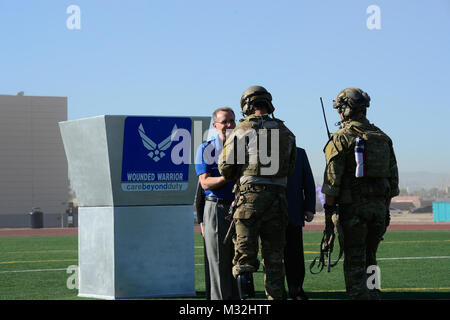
(260, 193)
(361, 177)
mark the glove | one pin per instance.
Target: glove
(309, 216)
(330, 210)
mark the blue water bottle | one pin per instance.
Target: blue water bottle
(360, 157)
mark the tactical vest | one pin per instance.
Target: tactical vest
(377, 153)
(263, 127)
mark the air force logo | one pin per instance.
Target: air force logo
(156, 150)
(152, 158)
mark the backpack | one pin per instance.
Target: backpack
(377, 152)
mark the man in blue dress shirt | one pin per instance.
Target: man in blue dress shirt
(301, 196)
(218, 196)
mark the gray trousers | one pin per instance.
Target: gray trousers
(220, 256)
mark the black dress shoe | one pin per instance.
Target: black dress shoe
(301, 296)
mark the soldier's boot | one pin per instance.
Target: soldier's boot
(245, 285)
(358, 295)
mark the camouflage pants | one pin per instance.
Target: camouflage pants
(262, 214)
(363, 227)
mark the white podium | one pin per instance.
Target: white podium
(135, 181)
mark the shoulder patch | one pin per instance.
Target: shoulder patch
(332, 148)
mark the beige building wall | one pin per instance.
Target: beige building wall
(33, 165)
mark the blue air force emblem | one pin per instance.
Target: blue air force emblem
(156, 150)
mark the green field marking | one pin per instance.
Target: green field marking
(382, 259)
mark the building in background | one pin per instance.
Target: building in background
(33, 165)
(406, 202)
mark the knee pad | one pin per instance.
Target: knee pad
(245, 285)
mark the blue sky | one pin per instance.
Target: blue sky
(188, 57)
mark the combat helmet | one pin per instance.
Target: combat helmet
(350, 101)
(253, 95)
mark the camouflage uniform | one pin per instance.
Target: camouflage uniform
(261, 209)
(362, 201)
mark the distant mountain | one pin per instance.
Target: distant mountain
(414, 180)
(423, 179)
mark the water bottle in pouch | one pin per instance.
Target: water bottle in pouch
(360, 157)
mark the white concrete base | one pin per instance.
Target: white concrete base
(95, 296)
(136, 252)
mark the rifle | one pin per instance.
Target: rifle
(327, 242)
(325, 118)
(330, 250)
(326, 248)
(232, 229)
(326, 123)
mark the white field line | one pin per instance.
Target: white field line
(380, 259)
(415, 258)
(35, 270)
(201, 264)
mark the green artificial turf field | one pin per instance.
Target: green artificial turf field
(414, 265)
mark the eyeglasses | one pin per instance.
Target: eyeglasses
(226, 122)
